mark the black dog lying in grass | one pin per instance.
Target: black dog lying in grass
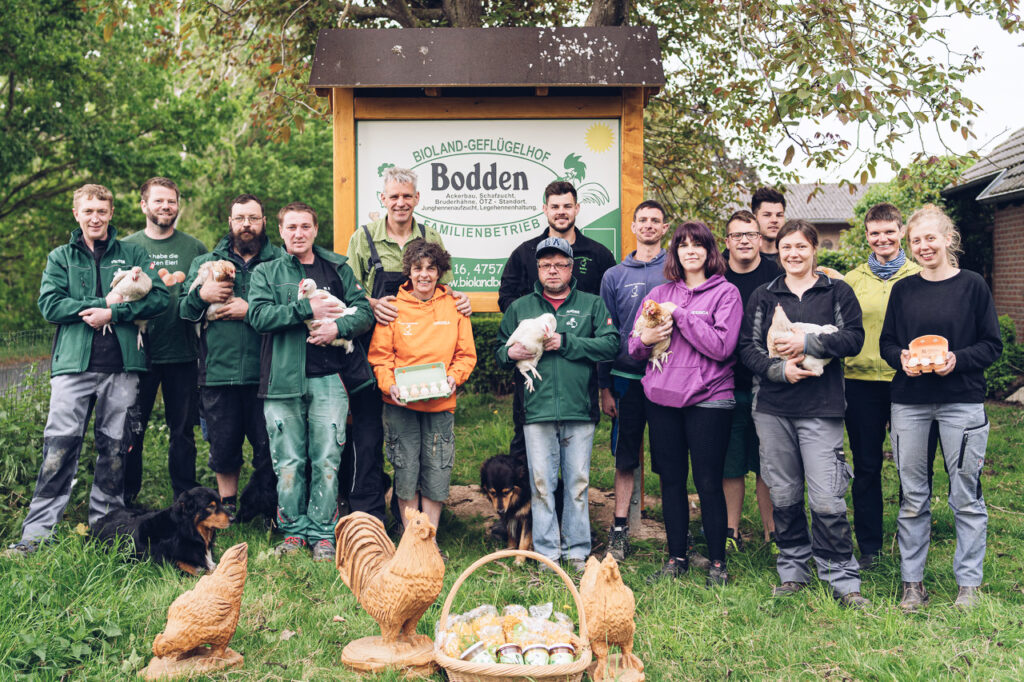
(182, 534)
(506, 484)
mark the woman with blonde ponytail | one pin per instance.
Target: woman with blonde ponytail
(956, 304)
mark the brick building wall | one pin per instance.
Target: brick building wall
(1008, 268)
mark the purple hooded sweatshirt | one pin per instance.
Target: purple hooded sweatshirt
(707, 326)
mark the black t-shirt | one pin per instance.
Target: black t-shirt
(959, 308)
(771, 257)
(323, 360)
(105, 355)
(747, 282)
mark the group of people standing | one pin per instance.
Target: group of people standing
(309, 380)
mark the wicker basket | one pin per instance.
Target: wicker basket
(468, 671)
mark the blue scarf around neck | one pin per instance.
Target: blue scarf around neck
(887, 270)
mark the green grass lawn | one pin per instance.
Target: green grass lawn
(75, 611)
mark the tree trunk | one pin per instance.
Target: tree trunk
(608, 13)
(464, 13)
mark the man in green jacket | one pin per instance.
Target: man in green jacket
(229, 360)
(560, 414)
(95, 365)
(305, 397)
(171, 344)
(867, 375)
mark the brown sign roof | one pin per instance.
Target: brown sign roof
(607, 56)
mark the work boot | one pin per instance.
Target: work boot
(717, 575)
(787, 589)
(854, 600)
(20, 550)
(673, 568)
(618, 542)
(867, 561)
(968, 597)
(291, 545)
(324, 550)
(914, 597)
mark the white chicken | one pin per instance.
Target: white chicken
(655, 314)
(132, 285)
(532, 333)
(781, 329)
(307, 289)
(219, 271)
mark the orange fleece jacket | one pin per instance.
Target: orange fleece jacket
(425, 331)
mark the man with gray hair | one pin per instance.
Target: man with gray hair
(375, 255)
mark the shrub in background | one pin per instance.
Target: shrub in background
(1005, 372)
(488, 377)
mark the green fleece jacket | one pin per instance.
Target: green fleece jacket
(229, 350)
(276, 311)
(69, 286)
(873, 295)
(588, 337)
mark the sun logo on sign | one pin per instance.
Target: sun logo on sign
(599, 137)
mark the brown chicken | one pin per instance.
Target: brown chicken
(394, 587)
(219, 271)
(609, 607)
(208, 613)
(655, 314)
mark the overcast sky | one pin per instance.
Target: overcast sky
(999, 89)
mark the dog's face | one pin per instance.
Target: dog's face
(502, 481)
(201, 508)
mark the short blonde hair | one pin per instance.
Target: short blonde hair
(930, 213)
(92, 192)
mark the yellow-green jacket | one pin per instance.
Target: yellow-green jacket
(873, 295)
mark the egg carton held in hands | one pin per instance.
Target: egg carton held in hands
(307, 289)
(928, 353)
(131, 285)
(532, 333)
(782, 329)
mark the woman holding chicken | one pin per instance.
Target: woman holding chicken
(689, 388)
(957, 305)
(798, 411)
(419, 437)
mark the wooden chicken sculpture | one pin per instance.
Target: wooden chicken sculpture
(205, 615)
(609, 607)
(307, 289)
(781, 329)
(132, 285)
(652, 315)
(532, 333)
(218, 271)
(395, 587)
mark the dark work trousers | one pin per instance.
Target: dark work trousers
(234, 413)
(697, 436)
(517, 447)
(179, 385)
(362, 480)
(867, 416)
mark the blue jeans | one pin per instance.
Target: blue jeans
(551, 446)
(963, 428)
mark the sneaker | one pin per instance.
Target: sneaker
(914, 597)
(618, 543)
(323, 550)
(867, 561)
(231, 510)
(787, 589)
(696, 559)
(854, 600)
(717, 574)
(20, 550)
(733, 541)
(773, 545)
(968, 597)
(291, 545)
(575, 567)
(673, 568)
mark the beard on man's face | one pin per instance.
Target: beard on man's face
(163, 220)
(247, 242)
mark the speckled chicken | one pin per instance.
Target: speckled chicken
(532, 333)
(307, 289)
(132, 285)
(609, 607)
(208, 613)
(395, 587)
(652, 315)
(781, 329)
(218, 271)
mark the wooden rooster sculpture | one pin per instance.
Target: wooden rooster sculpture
(395, 587)
(781, 329)
(652, 315)
(609, 607)
(218, 271)
(205, 615)
(307, 289)
(132, 285)
(532, 333)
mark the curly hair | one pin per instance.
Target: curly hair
(419, 249)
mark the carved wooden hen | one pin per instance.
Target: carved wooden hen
(609, 607)
(652, 315)
(208, 613)
(395, 587)
(781, 329)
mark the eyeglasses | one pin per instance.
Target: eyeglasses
(740, 236)
(244, 219)
(554, 266)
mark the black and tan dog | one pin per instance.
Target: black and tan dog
(183, 534)
(506, 484)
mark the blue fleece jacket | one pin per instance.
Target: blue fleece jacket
(623, 288)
